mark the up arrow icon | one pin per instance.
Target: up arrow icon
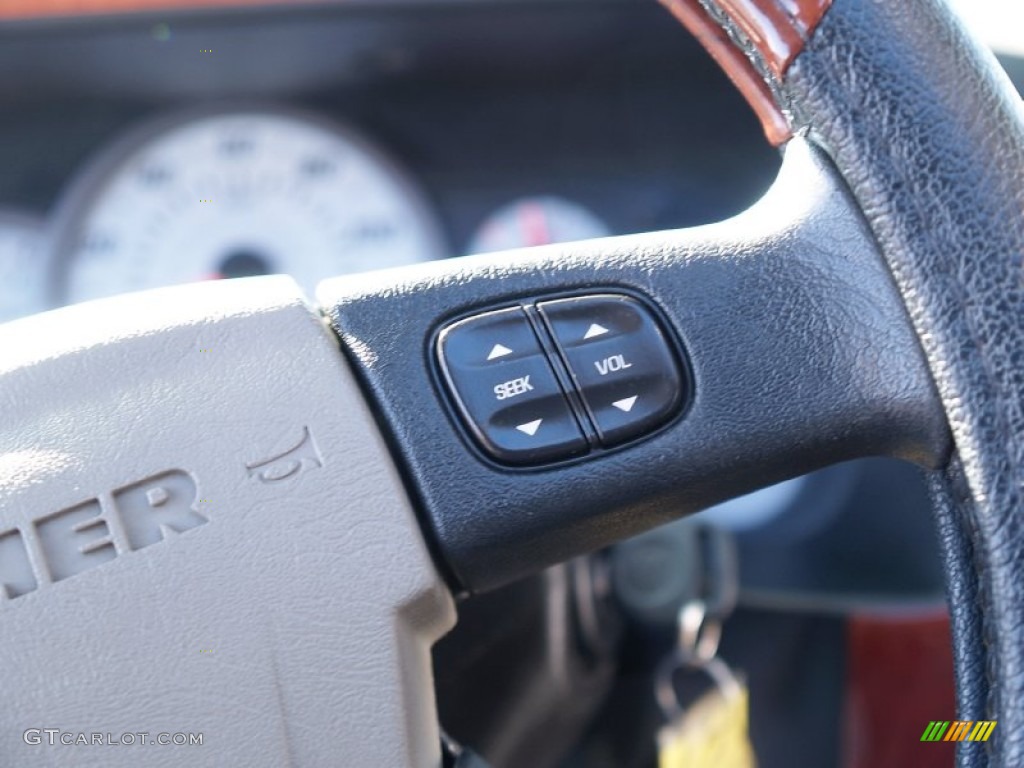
(499, 350)
(595, 330)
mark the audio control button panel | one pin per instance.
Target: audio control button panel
(554, 379)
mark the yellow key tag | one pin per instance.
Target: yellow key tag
(712, 733)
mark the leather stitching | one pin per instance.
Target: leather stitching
(744, 44)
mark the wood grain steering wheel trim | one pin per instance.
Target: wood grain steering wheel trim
(755, 42)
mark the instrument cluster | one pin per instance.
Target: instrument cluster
(219, 194)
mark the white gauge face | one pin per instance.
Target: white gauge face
(239, 194)
(536, 221)
(22, 269)
(757, 509)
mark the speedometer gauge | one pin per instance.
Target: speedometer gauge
(232, 194)
(22, 268)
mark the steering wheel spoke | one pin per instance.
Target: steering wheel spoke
(800, 351)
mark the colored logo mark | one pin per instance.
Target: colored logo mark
(958, 730)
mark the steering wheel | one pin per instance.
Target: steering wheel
(227, 514)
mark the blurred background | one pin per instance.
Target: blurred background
(151, 142)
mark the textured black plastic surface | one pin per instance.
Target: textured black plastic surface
(929, 134)
(802, 355)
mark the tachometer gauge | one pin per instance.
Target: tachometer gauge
(536, 221)
(231, 194)
(22, 266)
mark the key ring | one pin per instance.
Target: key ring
(698, 633)
(697, 649)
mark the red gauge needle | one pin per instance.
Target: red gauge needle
(534, 223)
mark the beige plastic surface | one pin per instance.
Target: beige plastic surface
(202, 533)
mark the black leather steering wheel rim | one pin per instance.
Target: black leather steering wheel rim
(926, 130)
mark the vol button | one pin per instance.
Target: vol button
(620, 362)
(612, 364)
(626, 404)
(629, 385)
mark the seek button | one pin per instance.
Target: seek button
(506, 390)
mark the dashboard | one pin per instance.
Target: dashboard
(147, 149)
